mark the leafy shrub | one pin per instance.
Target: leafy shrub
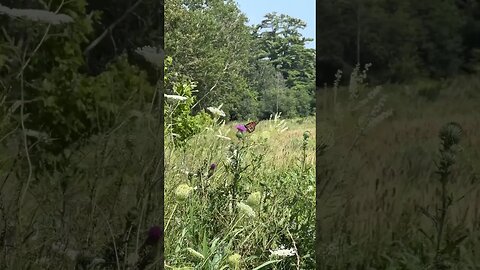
(179, 120)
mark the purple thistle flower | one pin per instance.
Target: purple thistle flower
(154, 235)
(241, 128)
(149, 249)
(213, 166)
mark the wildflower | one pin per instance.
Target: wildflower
(175, 97)
(241, 128)
(282, 252)
(195, 253)
(450, 134)
(154, 235)
(183, 191)
(306, 135)
(245, 209)
(234, 260)
(211, 170)
(149, 250)
(152, 54)
(254, 199)
(216, 111)
(213, 166)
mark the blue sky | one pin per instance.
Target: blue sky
(303, 9)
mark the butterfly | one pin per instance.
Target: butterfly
(251, 126)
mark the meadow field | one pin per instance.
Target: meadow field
(242, 200)
(399, 190)
(95, 206)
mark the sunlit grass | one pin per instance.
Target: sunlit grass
(274, 172)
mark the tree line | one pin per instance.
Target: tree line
(254, 71)
(403, 39)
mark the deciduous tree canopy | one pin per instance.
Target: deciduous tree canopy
(404, 40)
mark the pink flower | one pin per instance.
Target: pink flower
(241, 128)
(213, 166)
(154, 234)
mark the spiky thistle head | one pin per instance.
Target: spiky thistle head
(450, 134)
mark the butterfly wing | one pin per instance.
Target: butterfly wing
(251, 126)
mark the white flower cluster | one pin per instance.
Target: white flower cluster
(282, 252)
(175, 97)
(217, 110)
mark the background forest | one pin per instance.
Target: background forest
(254, 71)
(404, 40)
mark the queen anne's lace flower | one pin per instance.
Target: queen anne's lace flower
(282, 252)
(175, 97)
(183, 191)
(216, 110)
(245, 209)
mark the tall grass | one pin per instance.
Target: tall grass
(93, 207)
(372, 214)
(253, 210)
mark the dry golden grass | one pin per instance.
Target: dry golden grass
(374, 211)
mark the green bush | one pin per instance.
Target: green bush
(180, 123)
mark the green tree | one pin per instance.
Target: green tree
(275, 98)
(441, 41)
(45, 69)
(210, 42)
(402, 39)
(282, 43)
(471, 34)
